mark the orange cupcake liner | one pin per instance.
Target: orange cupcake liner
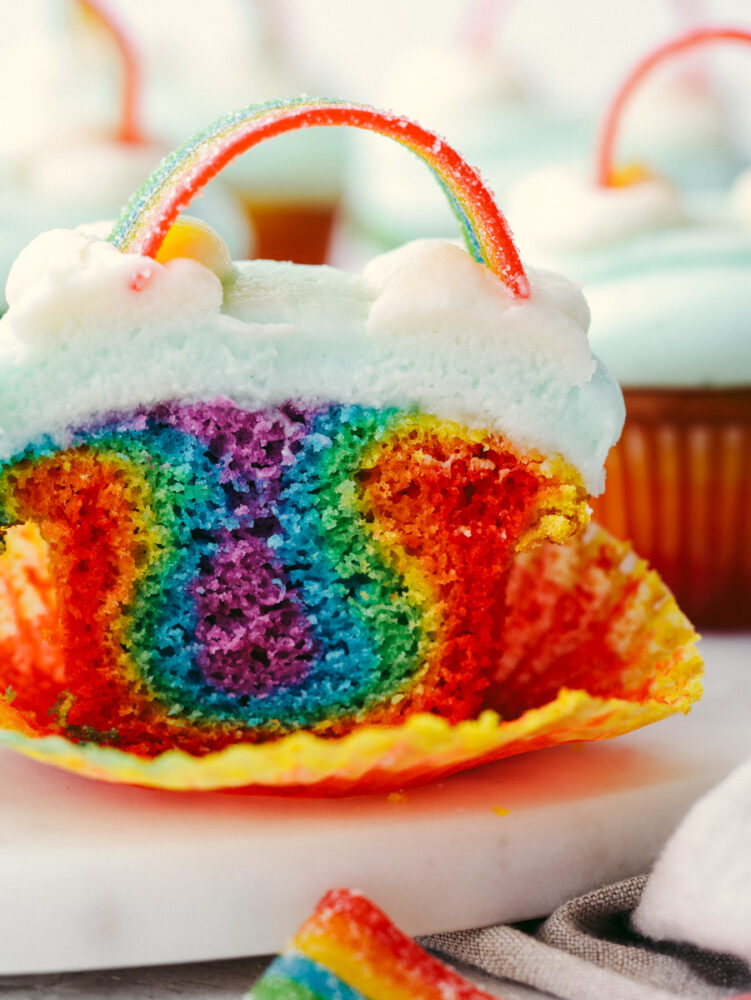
(678, 484)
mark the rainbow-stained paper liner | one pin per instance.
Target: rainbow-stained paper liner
(679, 479)
(594, 638)
(595, 644)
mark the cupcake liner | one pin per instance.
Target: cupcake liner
(678, 485)
(595, 647)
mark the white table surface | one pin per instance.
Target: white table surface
(228, 980)
(680, 756)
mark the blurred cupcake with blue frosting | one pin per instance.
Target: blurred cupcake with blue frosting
(667, 278)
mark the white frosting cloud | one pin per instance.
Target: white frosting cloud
(435, 287)
(560, 208)
(86, 178)
(91, 330)
(70, 284)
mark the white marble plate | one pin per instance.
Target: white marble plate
(100, 876)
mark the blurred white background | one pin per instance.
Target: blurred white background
(571, 52)
(201, 58)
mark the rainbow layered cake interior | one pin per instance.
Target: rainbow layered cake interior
(283, 526)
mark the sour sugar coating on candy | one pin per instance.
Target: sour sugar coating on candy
(350, 950)
(147, 218)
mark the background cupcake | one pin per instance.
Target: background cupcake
(482, 101)
(217, 56)
(682, 123)
(668, 285)
(75, 142)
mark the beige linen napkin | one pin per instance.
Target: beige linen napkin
(587, 950)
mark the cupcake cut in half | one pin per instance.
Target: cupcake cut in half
(283, 527)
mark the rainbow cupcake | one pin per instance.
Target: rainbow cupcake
(264, 521)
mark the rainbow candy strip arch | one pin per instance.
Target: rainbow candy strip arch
(674, 47)
(129, 128)
(148, 216)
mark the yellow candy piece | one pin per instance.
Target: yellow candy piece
(631, 173)
(195, 239)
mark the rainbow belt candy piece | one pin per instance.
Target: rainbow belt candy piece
(147, 218)
(225, 574)
(349, 950)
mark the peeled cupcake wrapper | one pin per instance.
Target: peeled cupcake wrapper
(631, 645)
(593, 644)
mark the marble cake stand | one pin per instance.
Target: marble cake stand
(100, 876)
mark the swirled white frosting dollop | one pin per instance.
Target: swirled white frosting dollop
(92, 330)
(560, 208)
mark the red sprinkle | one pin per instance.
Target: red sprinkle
(141, 279)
